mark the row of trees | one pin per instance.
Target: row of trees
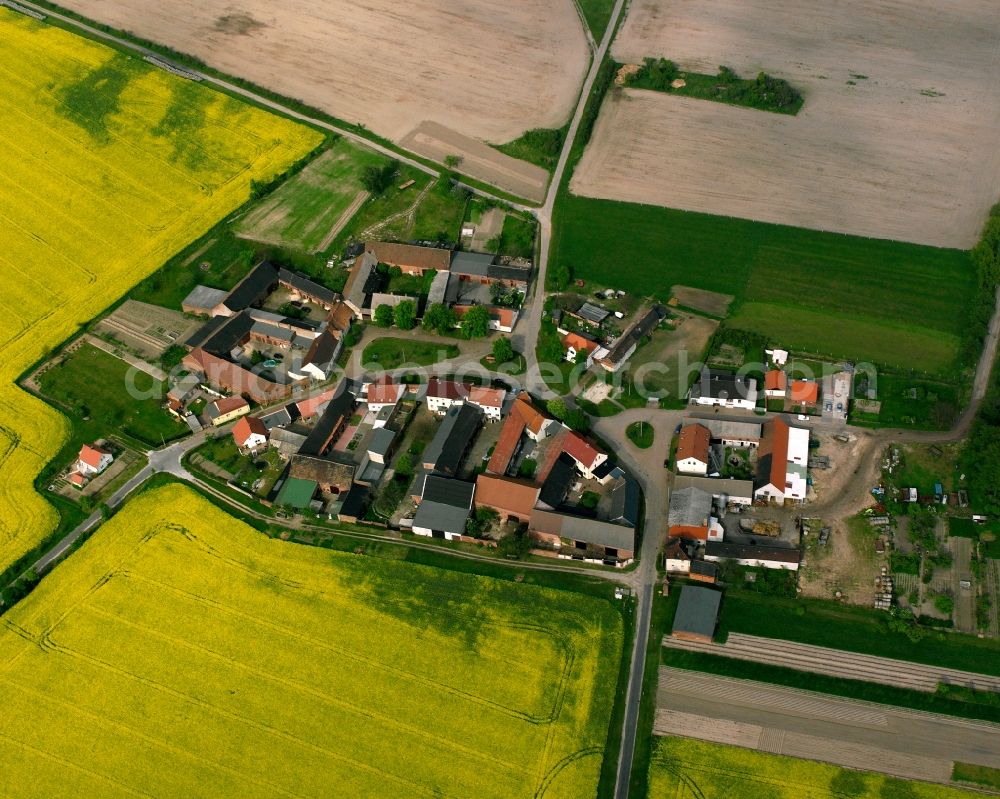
(981, 457)
(475, 323)
(403, 315)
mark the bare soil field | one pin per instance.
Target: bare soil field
(435, 141)
(710, 302)
(490, 70)
(895, 140)
(861, 735)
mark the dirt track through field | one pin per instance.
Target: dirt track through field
(896, 138)
(787, 721)
(490, 70)
(345, 217)
(838, 663)
(437, 142)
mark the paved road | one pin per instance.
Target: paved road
(531, 320)
(167, 459)
(756, 715)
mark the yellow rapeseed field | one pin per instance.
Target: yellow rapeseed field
(687, 769)
(109, 167)
(180, 654)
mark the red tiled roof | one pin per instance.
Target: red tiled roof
(447, 389)
(805, 392)
(775, 380)
(774, 445)
(247, 426)
(522, 415)
(91, 455)
(340, 317)
(310, 406)
(693, 443)
(230, 404)
(508, 496)
(488, 397)
(581, 450)
(578, 342)
(384, 392)
(77, 479)
(234, 377)
(410, 256)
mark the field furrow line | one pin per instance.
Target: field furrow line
(394, 670)
(71, 708)
(235, 717)
(262, 674)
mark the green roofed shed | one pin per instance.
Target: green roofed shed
(296, 492)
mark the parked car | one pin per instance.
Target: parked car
(803, 417)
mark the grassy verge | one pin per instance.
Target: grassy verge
(391, 353)
(764, 93)
(540, 146)
(662, 619)
(977, 775)
(641, 434)
(598, 15)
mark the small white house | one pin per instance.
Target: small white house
(250, 434)
(92, 460)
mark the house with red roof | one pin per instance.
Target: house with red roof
(574, 344)
(92, 460)
(693, 446)
(226, 409)
(384, 393)
(782, 463)
(524, 419)
(775, 384)
(586, 456)
(804, 392)
(249, 433)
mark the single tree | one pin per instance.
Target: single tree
(503, 350)
(476, 322)
(383, 316)
(405, 315)
(557, 407)
(452, 161)
(439, 317)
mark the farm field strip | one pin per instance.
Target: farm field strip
(115, 166)
(915, 162)
(846, 296)
(904, 743)
(837, 663)
(688, 769)
(302, 212)
(531, 57)
(182, 641)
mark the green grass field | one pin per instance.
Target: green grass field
(889, 302)
(598, 14)
(179, 653)
(686, 769)
(301, 213)
(93, 387)
(389, 352)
